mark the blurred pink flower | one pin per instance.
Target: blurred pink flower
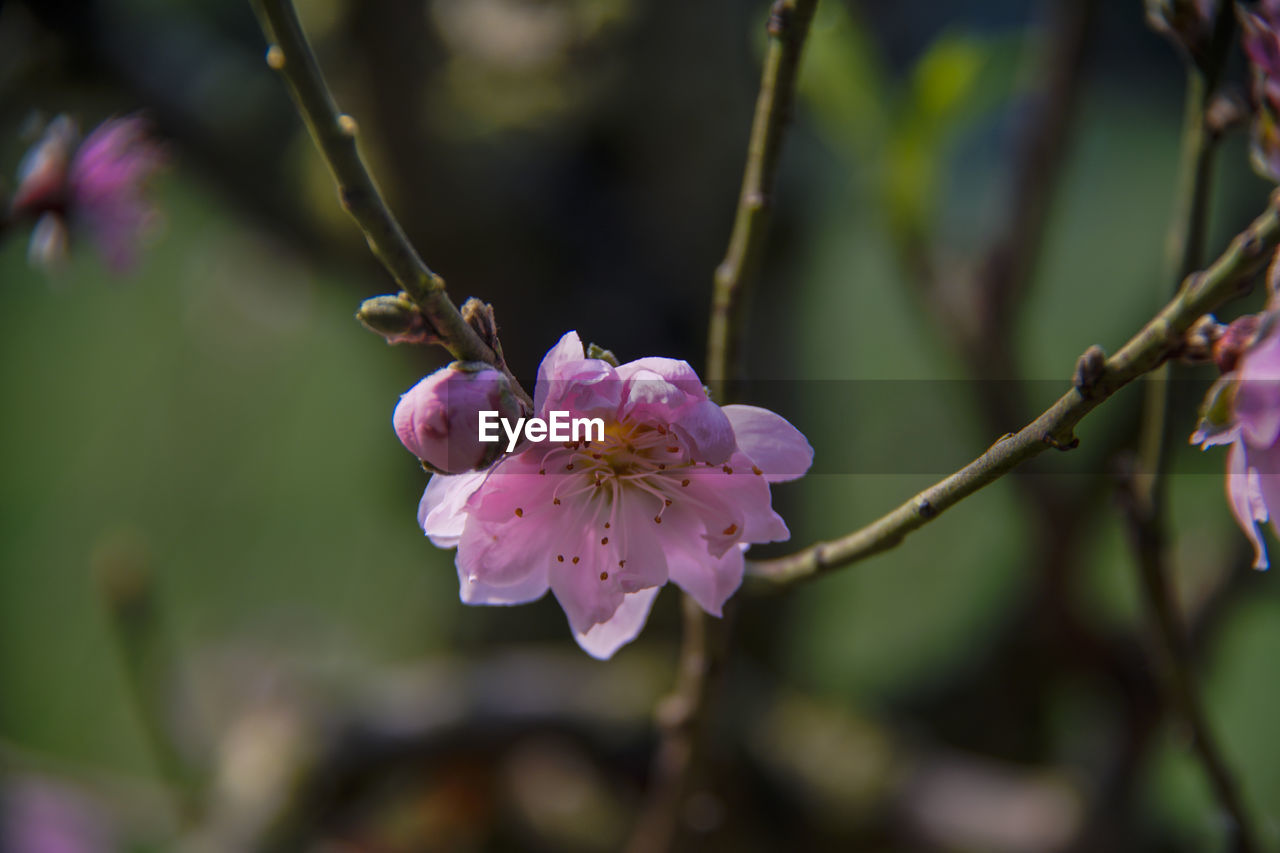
(438, 419)
(1260, 35)
(1242, 410)
(38, 816)
(100, 188)
(677, 490)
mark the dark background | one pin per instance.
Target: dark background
(207, 533)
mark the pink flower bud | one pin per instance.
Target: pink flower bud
(438, 419)
(42, 175)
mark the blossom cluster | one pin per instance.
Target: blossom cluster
(676, 490)
(1261, 34)
(95, 186)
(1242, 411)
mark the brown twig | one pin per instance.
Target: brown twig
(1143, 491)
(335, 135)
(1175, 648)
(705, 641)
(1145, 351)
(788, 27)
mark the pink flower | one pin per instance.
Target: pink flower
(438, 419)
(106, 182)
(1260, 35)
(677, 490)
(40, 816)
(100, 188)
(1243, 410)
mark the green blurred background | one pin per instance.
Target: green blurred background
(207, 532)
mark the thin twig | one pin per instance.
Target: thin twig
(1097, 379)
(127, 589)
(1144, 491)
(1186, 241)
(1175, 648)
(681, 718)
(335, 134)
(1007, 268)
(704, 644)
(788, 27)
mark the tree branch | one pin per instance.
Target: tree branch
(1181, 683)
(335, 136)
(1143, 492)
(1097, 378)
(788, 27)
(704, 646)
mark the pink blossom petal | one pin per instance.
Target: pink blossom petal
(706, 430)
(647, 396)
(774, 445)
(1244, 494)
(529, 588)
(442, 510)
(601, 564)
(710, 580)
(744, 500)
(586, 600)
(569, 381)
(603, 640)
(671, 370)
(511, 518)
(1257, 396)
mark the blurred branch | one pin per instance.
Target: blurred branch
(1183, 692)
(788, 27)
(1097, 378)
(127, 590)
(1002, 274)
(335, 136)
(1007, 267)
(1142, 493)
(1186, 239)
(681, 718)
(705, 642)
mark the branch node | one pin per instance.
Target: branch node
(925, 508)
(779, 19)
(1091, 367)
(1058, 444)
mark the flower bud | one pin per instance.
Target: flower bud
(438, 419)
(396, 319)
